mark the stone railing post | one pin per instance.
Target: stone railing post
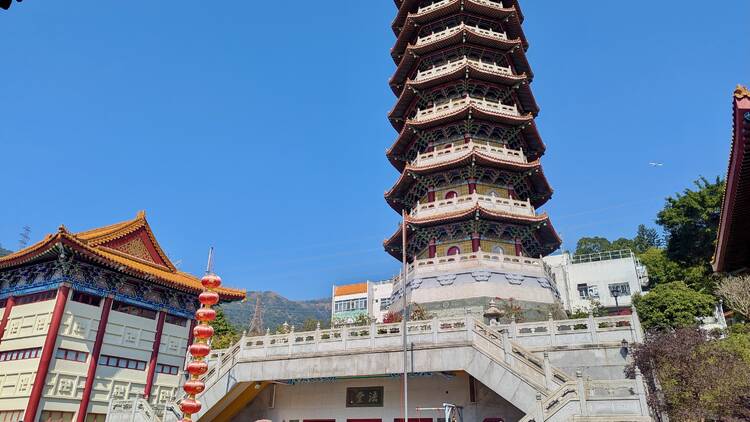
(551, 329)
(513, 328)
(581, 387)
(507, 348)
(539, 408)
(641, 389)
(290, 340)
(548, 378)
(373, 331)
(435, 328)
(266, 341)
(636, 324)
(243, 342)
(344, 335)
(317, 336)
(593, 327)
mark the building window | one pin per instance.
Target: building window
(175, 320)
(350, 305)
(127, 308)
(86, 298)
(619, 289)
(36, 297)
(20, 354)
(451, 194)
(96, 417)
(385, 303)
(124, 363)
(48, 416)
(454, 250)
(73, 355)
(166, 369)
(588, 292)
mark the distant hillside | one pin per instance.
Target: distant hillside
(277, 310)
(4, 252)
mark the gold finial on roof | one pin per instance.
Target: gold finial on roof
(141, 214)
(62, 229)
(741, 92)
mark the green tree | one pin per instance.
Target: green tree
(588, 245)
(225, 334)
(645, 239)
(673, 305)
(691, 221)
(660, 269)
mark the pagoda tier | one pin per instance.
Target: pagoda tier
(475, 229)
(468, 148)
(472, 171)
(417, 12)
(413, 142)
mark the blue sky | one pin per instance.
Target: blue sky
(260, 127)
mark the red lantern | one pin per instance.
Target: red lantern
(194, 386)
(203, 331)
(205, 314)
(199, 350)
(197, 367)
(211, 281)
(209, 298)
(190, 406)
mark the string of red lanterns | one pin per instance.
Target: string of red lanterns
(200, 348)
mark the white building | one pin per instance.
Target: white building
(370, 298)
(608, 278)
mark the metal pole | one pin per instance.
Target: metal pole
(405, 317)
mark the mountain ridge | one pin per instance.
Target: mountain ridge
(276, 310)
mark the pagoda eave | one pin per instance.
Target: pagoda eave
(464, 36)
(407, 6)
(472, 8)
(409, 60)
(536, 146)
(409, 95)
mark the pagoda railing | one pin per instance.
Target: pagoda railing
(456, 150)
(438, 4)
(437, 71)
(454, 104)
(459, 203)
(449, 32)
(473, 260)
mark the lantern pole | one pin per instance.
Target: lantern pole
(200, 347)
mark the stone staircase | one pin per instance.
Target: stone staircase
(496, 356)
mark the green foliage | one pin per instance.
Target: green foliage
(311, 324)
(645, 239)
(700, 378)
(589, 245)
(225, 334)
(691, 221)
(672, 305)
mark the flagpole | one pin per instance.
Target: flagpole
(405, 316)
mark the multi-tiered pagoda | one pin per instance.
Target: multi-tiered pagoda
(468, 151)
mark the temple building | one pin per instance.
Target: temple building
(92, 318)
(469, 152)
(733, 244)
(490, 344)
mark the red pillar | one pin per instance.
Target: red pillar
(154, 356)
(432, 249)
(472, 186)
(431, 195)
(47, 352)
(91, 373)
(511, 192)
(475, 242)
(519, 250)
(6, 315)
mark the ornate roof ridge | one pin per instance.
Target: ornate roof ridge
(741, 92)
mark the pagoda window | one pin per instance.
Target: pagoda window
(498, 250)
(86, 298)
(454, 250)
(138, 311)
(451, 194)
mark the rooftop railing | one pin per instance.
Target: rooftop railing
(446, 154)
(448, 32)
(454, 104)
(496, 203)
(602, 256)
